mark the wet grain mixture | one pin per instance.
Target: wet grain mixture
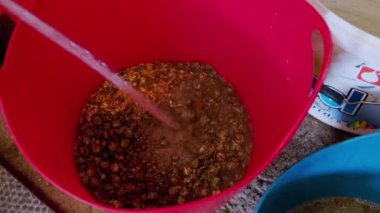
(337, 205)
(126, 158)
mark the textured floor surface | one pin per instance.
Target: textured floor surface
(15, 197)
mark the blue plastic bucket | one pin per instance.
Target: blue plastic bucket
(349, 169)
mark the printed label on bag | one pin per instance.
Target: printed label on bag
(369, 75)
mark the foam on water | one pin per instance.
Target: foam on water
(86, 57)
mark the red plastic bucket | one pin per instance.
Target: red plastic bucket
(262, 47)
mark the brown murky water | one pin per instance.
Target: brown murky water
(126, 158)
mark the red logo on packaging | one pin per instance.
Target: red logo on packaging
(369, 75)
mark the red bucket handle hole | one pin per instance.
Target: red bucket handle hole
(7, 26)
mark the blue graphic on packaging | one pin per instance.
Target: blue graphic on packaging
(350, 97)
(348, 109)
(337, 100)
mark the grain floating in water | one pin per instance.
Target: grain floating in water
(127, 159)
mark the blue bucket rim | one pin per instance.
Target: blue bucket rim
(330, 148)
